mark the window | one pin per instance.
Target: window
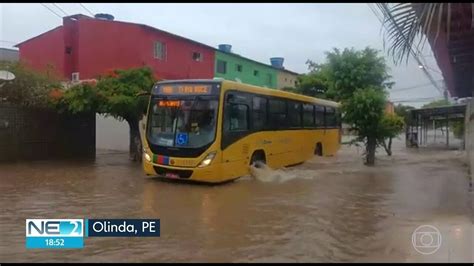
(239, 68)
(269, 79)
(295, 115)
(221, 67)
(197, 56)
(238, 117)
(331, 119)
(308, 115)
(255, 73)
(319, 116)
(68, 50)
(277, 110)
(160, 50)
(259, 113)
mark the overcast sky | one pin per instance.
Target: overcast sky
(297, 32)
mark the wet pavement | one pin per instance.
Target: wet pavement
(331, 209)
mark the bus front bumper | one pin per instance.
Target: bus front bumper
(210, 173)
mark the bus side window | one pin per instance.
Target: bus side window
(236, 113)
(319, 116)
(331, 117)
(308, 115)
(238, 117)
(278, 114)
(259, 113)
(295, 114)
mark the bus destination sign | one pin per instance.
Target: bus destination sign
(185, 89)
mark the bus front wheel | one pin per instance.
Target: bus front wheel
(258, 158)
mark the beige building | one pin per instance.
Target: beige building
(389, 108)
(286, 78)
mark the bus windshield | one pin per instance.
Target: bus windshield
(183, 122)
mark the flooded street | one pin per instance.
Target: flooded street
(326, 210)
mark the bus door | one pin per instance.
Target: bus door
(236, 126)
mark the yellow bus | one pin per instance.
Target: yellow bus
(213, 130)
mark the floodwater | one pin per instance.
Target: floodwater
(331, 209)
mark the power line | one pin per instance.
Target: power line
(92, 14)
(51, 11)
(7, 41)
(60, 9)
(414, 87)
(384, 6)
(425, 99)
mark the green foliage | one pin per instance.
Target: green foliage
(358, 79)
(81, 98)
(351, 70)
(391, 126)
(458, 129)
(312, 84)
(114, 94)
(29, 88)
(365, 111)
(438, 103)
(119, 92)
(404, 111)
(343, 73)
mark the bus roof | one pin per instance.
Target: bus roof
(258, 89)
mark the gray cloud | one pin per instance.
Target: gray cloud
(295, 31)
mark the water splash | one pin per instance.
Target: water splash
(264, 173)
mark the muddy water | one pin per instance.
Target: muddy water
(325, 210)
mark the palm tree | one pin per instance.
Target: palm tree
(408, 24)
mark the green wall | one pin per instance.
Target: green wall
(247, 74)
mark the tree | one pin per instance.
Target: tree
(438, 103)
(29, 88)
(115, 94)
(404, 111)
(408, 24)
(350, 70)
(365, 111)
(391, 126)
(358, 79)
(119, 99)
(311, 84)
(81, 98)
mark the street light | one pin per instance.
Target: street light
(420, 66)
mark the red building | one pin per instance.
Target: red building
(85, 47)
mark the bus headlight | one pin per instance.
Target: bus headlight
(147, 157)
(207, 161)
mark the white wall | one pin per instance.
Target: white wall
(111, 134)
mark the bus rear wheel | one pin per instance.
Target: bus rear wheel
(319, 149)
(258, 159)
